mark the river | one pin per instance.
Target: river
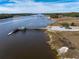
(23, 45)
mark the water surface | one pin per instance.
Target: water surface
(23, 45)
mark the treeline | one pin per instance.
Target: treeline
(73, 14)
(53, 15)
(3, 16)
(57, 15)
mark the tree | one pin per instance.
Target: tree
(66, 25)
(72, 24)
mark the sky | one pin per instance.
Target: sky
(38, 6)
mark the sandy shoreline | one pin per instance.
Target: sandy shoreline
(70, 39)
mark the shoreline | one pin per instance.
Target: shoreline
(58, 40)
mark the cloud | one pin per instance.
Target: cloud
(30, 6)
(57, 0)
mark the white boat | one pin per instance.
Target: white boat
(10, 33)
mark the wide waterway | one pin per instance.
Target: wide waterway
(23, 45)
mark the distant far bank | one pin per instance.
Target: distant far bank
(52, 15)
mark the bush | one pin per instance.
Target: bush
(72, 24)
(66, 25)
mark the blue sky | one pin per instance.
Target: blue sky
(38, 6)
